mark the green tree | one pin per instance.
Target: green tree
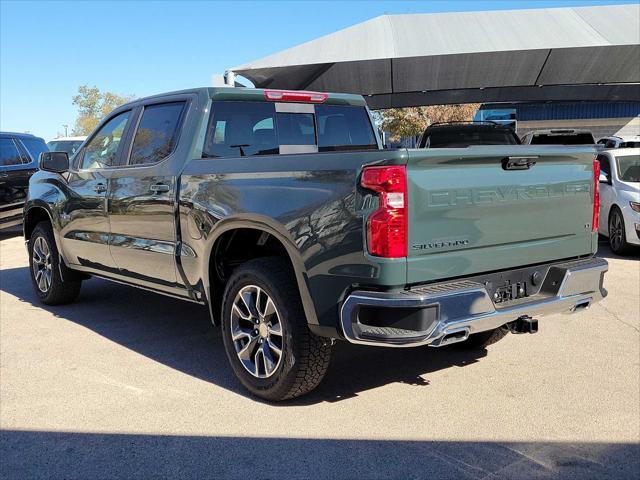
(93, 105)
(410, 122)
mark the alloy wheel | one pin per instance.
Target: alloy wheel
(615, 231)
(256, 331)
(41, 264)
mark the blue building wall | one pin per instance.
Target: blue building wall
(601, 118)
(575, 110)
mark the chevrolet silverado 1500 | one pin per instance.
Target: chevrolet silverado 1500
(281, 212)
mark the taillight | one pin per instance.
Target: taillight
(596, 196)
(295, 96)
(387, 226)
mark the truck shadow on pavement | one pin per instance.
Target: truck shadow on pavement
(604, 251)
(74, 455)
(179, 335)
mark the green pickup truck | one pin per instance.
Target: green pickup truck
(282, 212)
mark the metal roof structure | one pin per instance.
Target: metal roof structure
(583, 53)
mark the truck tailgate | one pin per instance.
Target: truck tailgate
(468, 214)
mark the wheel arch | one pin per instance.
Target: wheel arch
(254, 225)
(32, 216)
(614, 206)
(37, 212)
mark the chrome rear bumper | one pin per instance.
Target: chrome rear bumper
(450, 312)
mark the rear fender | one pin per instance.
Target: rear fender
(278, 231)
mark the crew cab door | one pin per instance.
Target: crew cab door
(83, 216)
(142, 195)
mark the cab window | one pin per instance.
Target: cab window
(255, 128)
(157, 133)
(241, 129)
(344, 127)
(102, 150)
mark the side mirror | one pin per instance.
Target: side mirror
(56, 162)
(604, 179)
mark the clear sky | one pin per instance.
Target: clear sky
(48, 49)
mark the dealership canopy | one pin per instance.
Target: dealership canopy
(587, 53)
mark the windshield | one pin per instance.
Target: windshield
(35, 146)
(573, 139)
(629, 168)
(462, 138)
(69, 146)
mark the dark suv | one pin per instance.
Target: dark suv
(19, 153)
(466, 134)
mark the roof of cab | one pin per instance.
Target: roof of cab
(258, 95)
(251, 94)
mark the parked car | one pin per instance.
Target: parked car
(281, 211)
(19, 153)
(465, 134)
(620, 142)
(566, 136)
(66, 144)
(620, 198)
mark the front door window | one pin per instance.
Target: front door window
(102, 150)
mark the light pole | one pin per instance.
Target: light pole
(65, 129)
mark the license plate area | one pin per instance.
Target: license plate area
(510, 291)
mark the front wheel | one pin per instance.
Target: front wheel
(617, 233)
(265, 332)
(45, 269)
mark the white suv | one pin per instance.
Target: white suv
(620, 198)
(619, 142)
(66, 144)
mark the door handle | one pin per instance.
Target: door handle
(159, 188)
(100, 188)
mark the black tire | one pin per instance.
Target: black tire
(304, 358)
(54, 291)
(617, 233)
(483, 339)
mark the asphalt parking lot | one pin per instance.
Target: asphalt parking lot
(126, 383)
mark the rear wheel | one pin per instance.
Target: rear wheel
(265, 332)
(484, 339)
(617, 233)
(45, 269)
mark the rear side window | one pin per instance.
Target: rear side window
(238, 129)
(344, 128)
(255, 128)
(35, 146)
(157, 133)
(9, 154)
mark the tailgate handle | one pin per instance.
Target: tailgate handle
(518, 163)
